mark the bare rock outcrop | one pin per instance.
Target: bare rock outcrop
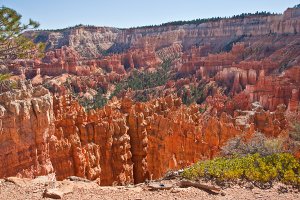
(226, 65)
(27, 121)
(92, 145)
(122, 143)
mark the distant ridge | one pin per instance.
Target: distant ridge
(176, 23)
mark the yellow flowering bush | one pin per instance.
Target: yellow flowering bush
(253, 167)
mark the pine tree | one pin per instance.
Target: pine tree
(13, 43)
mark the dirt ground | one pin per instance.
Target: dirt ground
(41, 188)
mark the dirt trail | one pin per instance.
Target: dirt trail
(20, 189)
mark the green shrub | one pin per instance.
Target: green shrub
(282, 167)
(144, 80)
(5, 83)
(195, 94)
(98, 101)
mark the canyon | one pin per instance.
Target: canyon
(208, 83)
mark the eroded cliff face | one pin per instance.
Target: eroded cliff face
(27, 122)
(93, 145)
(256, 55)
(261, 79)
(92, 41)
(226, 78)
(125, 142)
(136, 141)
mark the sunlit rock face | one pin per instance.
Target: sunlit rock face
(125, 142)
(248, 71)
(27, 122)
(258, 55)
(92, 41)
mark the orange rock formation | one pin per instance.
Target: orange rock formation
(122, 143)
(235, 62)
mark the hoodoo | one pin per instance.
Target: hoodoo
(124, 106)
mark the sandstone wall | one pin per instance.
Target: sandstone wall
(125, 142)
(129, 142)
(27, 122)
(92, 41)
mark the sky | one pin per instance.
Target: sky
(55, 14)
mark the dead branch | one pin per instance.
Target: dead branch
(207, 188)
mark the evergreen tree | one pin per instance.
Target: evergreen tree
(13, 44)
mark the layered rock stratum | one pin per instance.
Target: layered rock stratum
(225, 78)
(122, 143)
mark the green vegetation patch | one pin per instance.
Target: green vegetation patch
(282, 167)
(214, 19)
(6, 84)
(98, 101)
(195, 94)
(145, 80)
